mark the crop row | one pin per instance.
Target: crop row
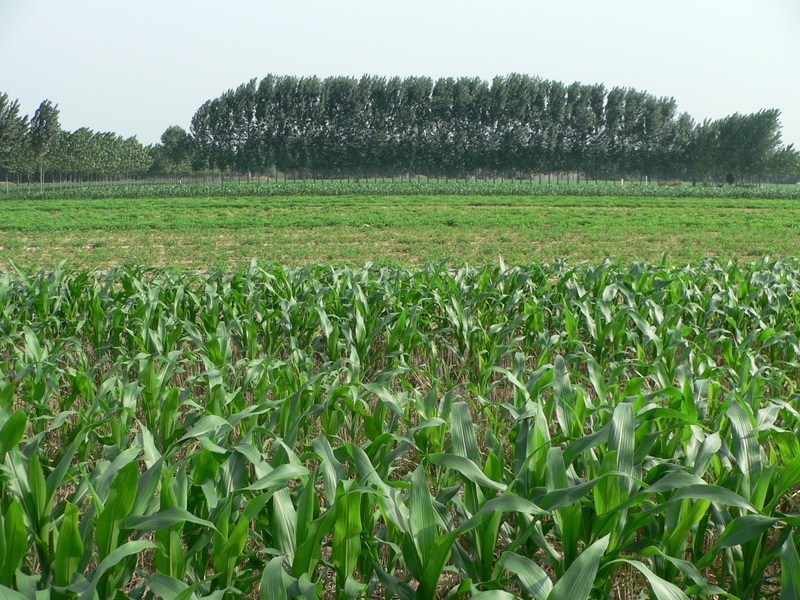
(542, 432)
(403, 187)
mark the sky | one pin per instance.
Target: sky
(136, 67)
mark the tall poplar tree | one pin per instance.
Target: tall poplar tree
(13, 134)
(44, 133)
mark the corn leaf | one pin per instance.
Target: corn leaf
(578, 580)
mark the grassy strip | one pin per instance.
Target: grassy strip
(219, 233)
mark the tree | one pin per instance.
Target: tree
(176, 148)
(736, 146)
(516, 124)
(44, 133)
(784, 164)
(13, 137)
(135, 159)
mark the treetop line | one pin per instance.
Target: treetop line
(515, 125)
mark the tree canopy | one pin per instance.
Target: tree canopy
(41, 145)
(514, 125)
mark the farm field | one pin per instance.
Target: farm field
(225, 232)
(546, 432)
(393, 187)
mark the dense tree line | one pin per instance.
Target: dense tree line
(38, 146)
(514, 125)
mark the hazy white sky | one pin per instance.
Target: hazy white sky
(137, 66)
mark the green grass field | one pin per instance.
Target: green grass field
(208, 233)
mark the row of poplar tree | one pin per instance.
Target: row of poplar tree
(38, 146)
(514, 126)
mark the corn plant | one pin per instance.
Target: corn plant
(323, 432)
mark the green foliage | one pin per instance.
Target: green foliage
(44, 130)
(14, 143)
(174, 153)
(401, 187)
(517, 124)
(42, 144)
(497, 432)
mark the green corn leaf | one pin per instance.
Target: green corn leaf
(332, 470)
(674, 481)
(38, 492)
(568, 515)
(302, 588)
(56, 476)
(662, 589)
(285, 523)
(170, 555)
(102, 486)
(113, 559)
(352, 588)
(69, 548)
(170, 588)
(532, 578)
(465, 444)
(708, 449)
(12, 432)
(15, 542)
(346, 546)
(622, 440)
(743, 529)
(118, 506)
(308, 552)
(689, 569)
(28, 586)
(467, 468)
(788, 478)
(146, 487)
(255, 506)
(509, 503)
(714, 493)
(422, 519)
(212, 447)
(6, 593)
(237, 539)
(164, 519)
(746, 448)
(396, 586)
(790, 570)
(494, 595)
(559, 498)
(306, 509)
(645, 327)
(273, 585)
(206, 425)
(578, 581)
(433, 562)
(280, 475)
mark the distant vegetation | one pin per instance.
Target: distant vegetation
(512, 127)
(515, 125)
(38, 148)
(377, 188)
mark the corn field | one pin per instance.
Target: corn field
(397, 187)
(548, 432)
